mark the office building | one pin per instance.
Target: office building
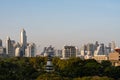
(112, 45)
(83, 50)
(0, 42)
(69, 51)
(17, 52)
(30, 50)
(48, 50)
(9, 47)
(23, 41)
(90, 49)
(96, 45)
(58, 53)
(99, 51)
(1, 49)
(107, 50)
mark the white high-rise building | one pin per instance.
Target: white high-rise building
(23, 38)
(58, 53)
(113, 46)
(30, 50)
(83, 50)
(48, 51)
(23, 41)
(17, 52)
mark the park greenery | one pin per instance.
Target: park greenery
(22, 68)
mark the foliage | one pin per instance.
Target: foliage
(93, 78)
(49, 76)
(22, 68)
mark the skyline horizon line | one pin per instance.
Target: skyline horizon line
(63, 44)
(61, 22)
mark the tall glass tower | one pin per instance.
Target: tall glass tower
(23, 41)
(23, 37)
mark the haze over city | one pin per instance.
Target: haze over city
(59, 40)
(63, 22)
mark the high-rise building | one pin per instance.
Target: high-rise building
(83, 50)
(90, 49)
(96, 45)
(23, 38)
(9, 47)
(48, 50)
(30, 50)
(1, 51)
(0, 42)
(99, 51)
(102, 48)
(112, 45)
(107, 50)
(1, 48)
(58, 53)
(17, 52)
(69, 51)
(23, 41)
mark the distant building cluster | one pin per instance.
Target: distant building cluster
(87, 51)
(97, 51)
(19, 49)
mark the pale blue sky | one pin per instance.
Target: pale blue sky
(60, 22)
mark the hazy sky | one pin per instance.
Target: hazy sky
(61, 22)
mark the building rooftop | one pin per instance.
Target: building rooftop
(117, 50)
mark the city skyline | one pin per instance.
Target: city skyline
(63, 22)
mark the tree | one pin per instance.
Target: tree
(106, 63)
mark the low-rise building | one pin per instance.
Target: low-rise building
(100, 58)
(114, 57)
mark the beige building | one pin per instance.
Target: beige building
(114, 57)
(100, 57)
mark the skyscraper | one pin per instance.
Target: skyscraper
(30, 50)
(112, 45)
(0, 42)
(17, 52)
(23, 38)
(83, 50)
(96, 45)
(48, 50)
(1, 48)
(90, 49)
(68, 51)
(9, 47)
(23, 41)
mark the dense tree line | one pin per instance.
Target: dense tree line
(71, 69)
